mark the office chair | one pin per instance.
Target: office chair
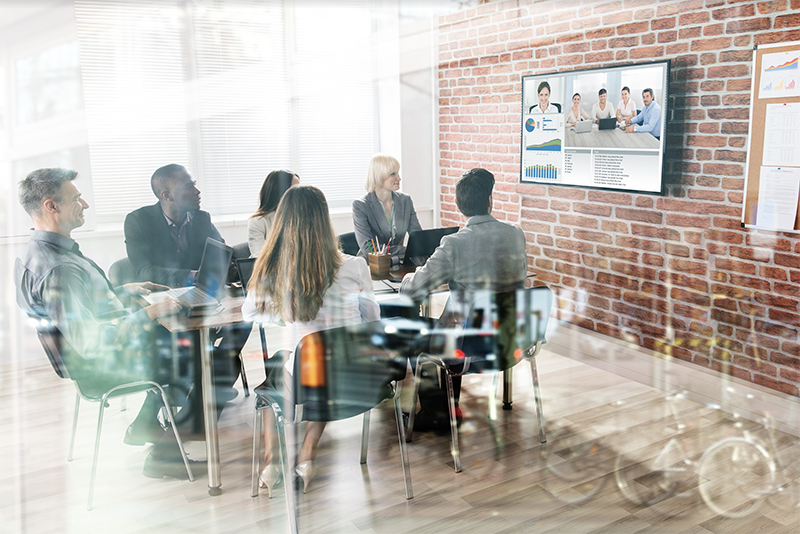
(121, 272)
(348, 244)
(496, 332)
(338, 373)
(59, 354)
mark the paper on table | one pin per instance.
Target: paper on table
(778, 192)
(782, 135)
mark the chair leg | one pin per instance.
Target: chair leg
(96, 450)
(508, 375)
(168, 410)
(257, 433)
(244, 376)
(538, 401)
(451, 401)
(398, 416)
(291, 511)
(365, 437)
(74, 426)
(414, 395)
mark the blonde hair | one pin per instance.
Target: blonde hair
(300, 258)
(380, 167)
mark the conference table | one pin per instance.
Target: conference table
(228, 313)
(614, 138)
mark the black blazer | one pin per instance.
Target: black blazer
(152, 251)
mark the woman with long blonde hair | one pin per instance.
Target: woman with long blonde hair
(300, 277)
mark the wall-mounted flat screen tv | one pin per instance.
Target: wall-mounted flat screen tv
(601, 128)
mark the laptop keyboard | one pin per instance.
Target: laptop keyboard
(191, 296)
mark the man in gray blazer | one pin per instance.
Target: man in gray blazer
(484, 254)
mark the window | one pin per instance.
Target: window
(233, 90)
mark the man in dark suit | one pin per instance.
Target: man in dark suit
(165, 244)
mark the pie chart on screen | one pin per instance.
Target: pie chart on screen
(530, 125)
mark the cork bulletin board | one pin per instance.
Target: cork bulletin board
(772, 180)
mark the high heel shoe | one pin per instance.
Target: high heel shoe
(307, 471)
(269, 476)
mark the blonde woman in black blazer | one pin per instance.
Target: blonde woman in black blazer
(384, 213)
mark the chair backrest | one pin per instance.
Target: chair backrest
(51, 341)
(245, 268)
(122, 272)
(348, 244)
(241, 250)
(494, 330)
(344, 371)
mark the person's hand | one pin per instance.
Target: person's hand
(165, 308)
(629, 129)
(143, 288)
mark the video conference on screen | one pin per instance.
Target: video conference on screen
(570, 139)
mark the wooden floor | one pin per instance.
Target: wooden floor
(597, 423)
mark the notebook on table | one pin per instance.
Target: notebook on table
(422, 243)
(210, 284)
(583, 126)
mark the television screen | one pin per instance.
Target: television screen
(601, 128)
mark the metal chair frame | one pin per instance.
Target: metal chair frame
(50, 346)
(267, 400)
(532, 347)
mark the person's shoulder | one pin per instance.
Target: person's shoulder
(362, 202)
(201, 215)
(145, 211)
(353, 263)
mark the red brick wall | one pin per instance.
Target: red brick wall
(676, 274)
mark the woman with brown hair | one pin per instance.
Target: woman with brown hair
(301, 278)
(272, 190)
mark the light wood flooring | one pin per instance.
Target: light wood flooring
(597, 422)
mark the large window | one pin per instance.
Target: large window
(231, 89)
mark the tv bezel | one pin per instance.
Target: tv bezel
(663, 140)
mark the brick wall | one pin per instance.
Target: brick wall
(675, 273)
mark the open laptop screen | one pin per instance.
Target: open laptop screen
(421, 244)
(214, 267)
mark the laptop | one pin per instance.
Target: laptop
(583, 126)
(245, 268)
(421, 244)
(210, 283)
(608, 124)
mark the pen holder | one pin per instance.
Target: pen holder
(379, 264)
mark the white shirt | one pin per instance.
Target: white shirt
(257, 230)
(598, 113)
(350, 300)
(626, 111)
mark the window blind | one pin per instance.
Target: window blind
(230, 89)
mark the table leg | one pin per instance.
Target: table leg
(210, 413)
(507, 379)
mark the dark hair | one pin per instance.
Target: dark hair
(648, 90)
(473, 190)
(275, 185)
(626, 88)
(601, 92)
(160, 178)
(542, 86)
(42, 184)
(576, 94)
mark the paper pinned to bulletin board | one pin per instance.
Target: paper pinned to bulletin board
(772, 182)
